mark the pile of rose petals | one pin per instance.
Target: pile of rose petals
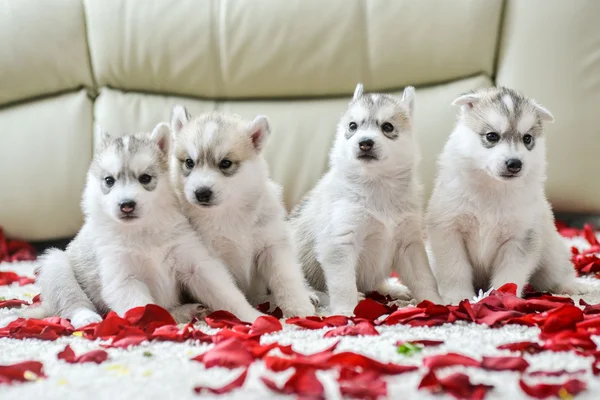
(15, 250)
(563, 327)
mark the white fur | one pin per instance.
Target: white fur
(114, 264)
(484, 230)
(246, 225)
(363, 219)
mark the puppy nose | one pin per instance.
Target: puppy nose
(203, 195)
(127, 206)
(514, 165)
(366, 144)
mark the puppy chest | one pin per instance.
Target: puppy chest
(238, 255)
(484, 237)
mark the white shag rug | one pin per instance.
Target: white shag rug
(163, 370)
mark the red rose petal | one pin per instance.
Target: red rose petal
(109, 327)
(563, 318)
(17, 372)
(447, 360)
(314, 322)
(9, 277)
(349, 359)
(560, 372)
(234, 384)
(504, 363)
(544, 390)
(569, 340)
(524, 347)
(128, 336)
(366, 385)
(149, 317)
(96, 356)
(15, 250)
(46, 329)
(303, 382)
(370, 309)
(422, 342)
(265, 324)
(361, 329)
(230, 353)
(590, 235)
(12, 303)
(222, 319)
(457, 385)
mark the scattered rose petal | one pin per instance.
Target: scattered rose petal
(96, 356)
(524, 347)
(9, 277)
(234, 384)
(21, 372)
(348, 359)
(149, 317)
(449, 359)
(504, 363)
(12, 303)
(265, 324)
(457, 385)
(15, 250)
(303, 382)
(43, 329)
(559, 372)
(314, 322)
(230, 353)
(361, 329)
(572, 387)
(370, 309)
(222, 319)
(422, 342)
(366, 385)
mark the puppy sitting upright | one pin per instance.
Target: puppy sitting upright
(488, 220)
(135, 247)
(363, 219)
(223, 183)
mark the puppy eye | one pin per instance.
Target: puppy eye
(189, 163)
(492, 137)
(109, 180)
(225, 164)
(352, 126)
(387, 127)
(145, 179)
(527, 139)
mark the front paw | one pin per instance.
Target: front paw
(302, 309)
(454, 298)
(187, 312)
(84, 317)
(360, 297)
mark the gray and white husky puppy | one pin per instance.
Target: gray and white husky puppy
(222, 180)
(363, 219)
(488, 220)
(135, 247)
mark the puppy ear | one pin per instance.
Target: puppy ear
(259, 131)
(545, 115)
(358, 91)
(102, 134)
(408, 98)
(179, 117)
(161, 134)
(466, 100)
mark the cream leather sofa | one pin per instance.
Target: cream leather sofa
(124, 63)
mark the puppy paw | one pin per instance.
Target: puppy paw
(186, 312)
(361, 296)
(300, 309)
(83, 317)
(573, 288)
(314, 298)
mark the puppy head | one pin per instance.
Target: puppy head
(128, 180)
(499, 131)
(375, 132)
(217, 159)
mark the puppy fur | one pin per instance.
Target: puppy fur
(488, 220)
(363, 219)
(223, 183)
(146, 254)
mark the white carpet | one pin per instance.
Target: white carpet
(169, 373)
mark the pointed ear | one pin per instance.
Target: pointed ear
(545, 115)
(466, 100)
(161, 134)
(408, 98)
(259, 131)
(179, 117)
(102, 134)
(358, 91)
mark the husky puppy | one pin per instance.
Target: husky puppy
(223, 183)
(135, 247)
(488, 219)
(363, 219)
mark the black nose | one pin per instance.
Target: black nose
(203, 195)
(514, 165)
(127, 206)
(366, 144)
